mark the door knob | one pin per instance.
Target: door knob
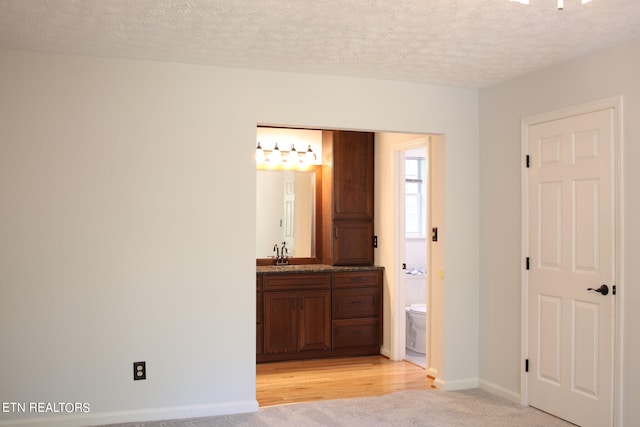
(604, 289)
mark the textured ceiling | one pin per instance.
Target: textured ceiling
(466, 43)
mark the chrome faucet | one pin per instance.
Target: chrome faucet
(282, 254)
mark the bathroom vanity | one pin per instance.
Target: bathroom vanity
(317, 310)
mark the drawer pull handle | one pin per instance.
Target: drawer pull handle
(356, 332)
(356, 302)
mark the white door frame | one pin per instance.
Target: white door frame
(398, 322)
(614, 103)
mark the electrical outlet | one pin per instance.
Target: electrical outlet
(139, 371)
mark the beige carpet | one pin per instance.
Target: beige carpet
(408, 408)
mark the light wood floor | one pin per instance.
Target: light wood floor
(322, 379)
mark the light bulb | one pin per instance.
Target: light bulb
(259, 154)
(276, 155)
(293, 156)
(309, 156)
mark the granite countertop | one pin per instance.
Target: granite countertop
(313, 268)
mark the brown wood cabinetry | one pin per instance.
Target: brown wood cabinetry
(296, 321)
(357, 309)
(348, 169)
(259, 316)
(308, 315)
(281, 322)
(353, 242)
(352, 175)
(297, 312)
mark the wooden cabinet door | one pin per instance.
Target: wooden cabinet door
(315, 320)
(353, 242)
(280, 322)
(353, 175)
(259, 316)
(259, 324)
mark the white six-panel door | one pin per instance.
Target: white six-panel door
(571, 249)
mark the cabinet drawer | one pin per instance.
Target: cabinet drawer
(350, 303)
(356, 279)
(356, 332)
(295, 282)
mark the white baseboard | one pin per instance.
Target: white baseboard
(463, 384)
(499, 391)
(153, 414)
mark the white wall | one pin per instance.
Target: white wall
(416, 253)
(601, 75)
(128, 224)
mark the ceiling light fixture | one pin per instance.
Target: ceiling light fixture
(560, 3)
(286, 158)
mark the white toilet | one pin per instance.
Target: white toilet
(417, 328)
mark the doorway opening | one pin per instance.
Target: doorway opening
(415, 254)
(412, 235)
(392, 248)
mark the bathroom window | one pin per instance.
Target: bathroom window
(415, 221)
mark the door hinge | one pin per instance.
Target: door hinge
(527, 160)
(375, 241)
(526, 365)
(527, 263)
(613, 289)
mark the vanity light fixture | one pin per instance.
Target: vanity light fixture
(560, 3)
(284, 157)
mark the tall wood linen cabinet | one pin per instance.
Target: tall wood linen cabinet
(347, 189)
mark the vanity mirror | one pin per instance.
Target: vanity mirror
(289, 209)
